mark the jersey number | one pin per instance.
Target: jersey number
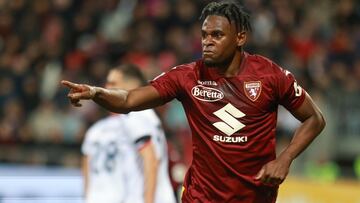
(298, 89)
(229, 124)
(104, 158)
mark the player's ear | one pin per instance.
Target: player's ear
(241, 38)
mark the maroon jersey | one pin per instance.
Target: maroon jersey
(233, 121)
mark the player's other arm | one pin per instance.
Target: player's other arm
(85, 173)
(151, 167)
(115, 100)
(312, 123)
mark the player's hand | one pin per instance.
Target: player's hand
(274, 172)
(79, 92)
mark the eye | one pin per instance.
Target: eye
(203, 34)
(217, 35)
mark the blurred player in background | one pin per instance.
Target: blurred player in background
(125, 156)
(230, 98)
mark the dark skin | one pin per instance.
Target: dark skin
(222, 45)
(221, 49)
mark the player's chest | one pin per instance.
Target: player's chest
(252, 95)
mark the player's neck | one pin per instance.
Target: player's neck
(234, 67)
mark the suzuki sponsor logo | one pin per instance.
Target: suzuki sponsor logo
(226, 139)
(229, 124)
(207, 94)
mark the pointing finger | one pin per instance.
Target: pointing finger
(70, 84)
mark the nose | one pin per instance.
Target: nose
(207, 40)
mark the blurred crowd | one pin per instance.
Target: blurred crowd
(45, 41)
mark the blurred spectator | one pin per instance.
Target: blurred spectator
(12, 121)
(45, 123)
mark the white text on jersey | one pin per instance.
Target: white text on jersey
(207, 94)
(219, 138)
(207, 82)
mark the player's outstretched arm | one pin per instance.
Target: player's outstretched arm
(313, 123)
(115, 100)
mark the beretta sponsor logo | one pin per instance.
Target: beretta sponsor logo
(207, 94)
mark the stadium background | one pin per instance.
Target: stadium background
(44, 41)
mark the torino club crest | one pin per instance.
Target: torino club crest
(252, 89)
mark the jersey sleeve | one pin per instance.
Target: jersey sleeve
(168, 84)
(290, 94)
(139, 129)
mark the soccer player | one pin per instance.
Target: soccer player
(112, 169)
(230, 98)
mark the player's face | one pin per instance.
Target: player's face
(116, 79)
(220, 40)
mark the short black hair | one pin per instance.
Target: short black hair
(131, 71)
(232, 10)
